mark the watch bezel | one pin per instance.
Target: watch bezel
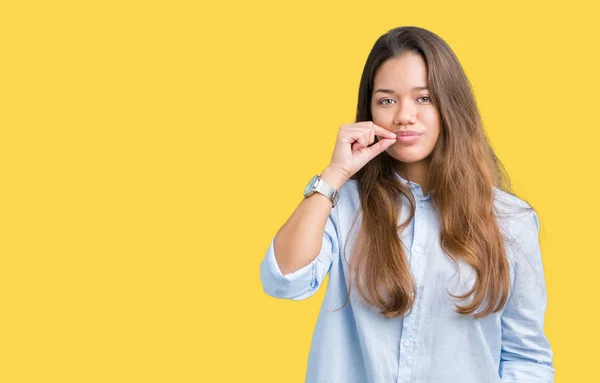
(311, 188)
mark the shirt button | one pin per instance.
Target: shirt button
(406, 343)
(417, 249)
(421, 203)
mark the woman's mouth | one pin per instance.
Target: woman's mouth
(408, 136)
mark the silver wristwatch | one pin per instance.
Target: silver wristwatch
(317, 184)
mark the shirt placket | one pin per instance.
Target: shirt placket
(410, 322)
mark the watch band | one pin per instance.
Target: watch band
(323, 188)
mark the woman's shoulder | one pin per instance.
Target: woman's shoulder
(516, 217)
(508, 204)
(520, 227)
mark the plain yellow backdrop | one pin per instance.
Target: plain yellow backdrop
(151, 149)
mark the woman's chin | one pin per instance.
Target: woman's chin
(406, 157)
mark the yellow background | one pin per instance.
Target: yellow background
(151, 149)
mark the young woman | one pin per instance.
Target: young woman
(435, 271)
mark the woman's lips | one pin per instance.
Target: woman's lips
(408, 136)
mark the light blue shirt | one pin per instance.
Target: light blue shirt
(432, 344)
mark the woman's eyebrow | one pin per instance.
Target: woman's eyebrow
(391, 91)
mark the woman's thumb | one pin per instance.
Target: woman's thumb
(380, 146)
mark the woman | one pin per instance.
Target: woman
(435, 271)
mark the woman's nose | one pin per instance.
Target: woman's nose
(405, 114)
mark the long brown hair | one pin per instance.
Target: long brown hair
(462, 175)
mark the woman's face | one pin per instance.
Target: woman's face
(400, 104)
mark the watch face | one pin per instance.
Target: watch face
(311, 184)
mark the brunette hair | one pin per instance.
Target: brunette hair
(463, 173)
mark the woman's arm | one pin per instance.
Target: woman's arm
(526, 354)
(301, 253)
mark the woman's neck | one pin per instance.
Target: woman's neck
(416, 172)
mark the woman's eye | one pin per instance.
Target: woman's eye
(424, 98)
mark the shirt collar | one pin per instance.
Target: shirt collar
(415, 187)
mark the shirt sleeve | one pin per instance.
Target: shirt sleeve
(526, 354)
(305, 281)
